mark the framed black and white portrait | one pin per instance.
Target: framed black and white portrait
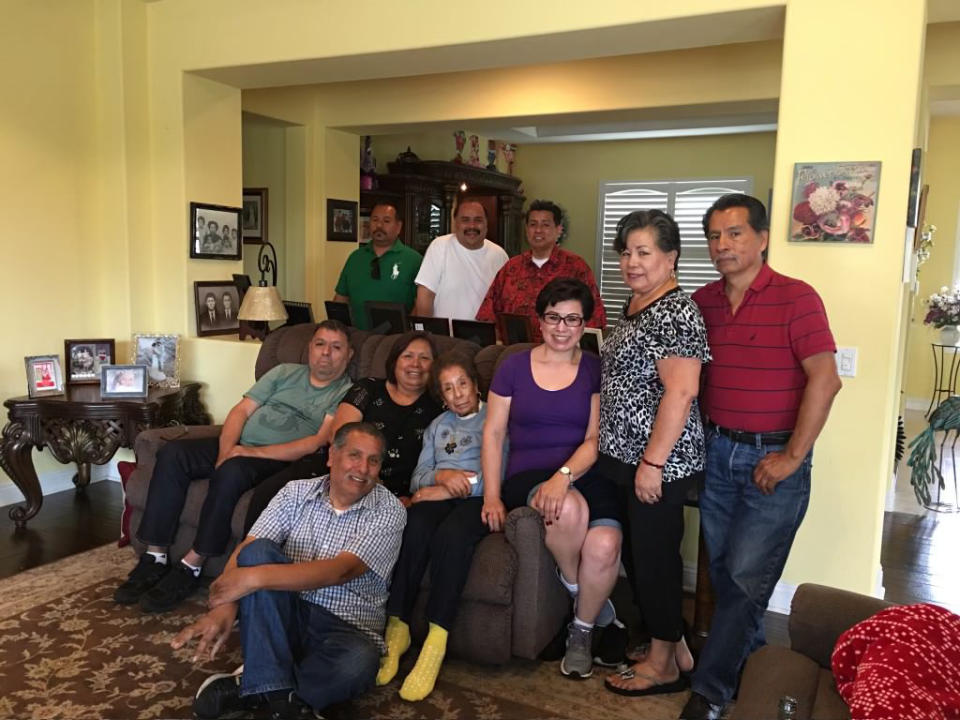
(217, 303)
(254, 217)
(85, 357)
(161, 355)
(215, 232)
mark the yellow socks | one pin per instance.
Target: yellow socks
(420, 681)
(397, 638)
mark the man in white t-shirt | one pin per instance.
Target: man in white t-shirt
(458, 268)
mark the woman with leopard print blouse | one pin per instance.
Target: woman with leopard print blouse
(651, 437)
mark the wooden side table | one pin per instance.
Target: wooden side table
(80, 427)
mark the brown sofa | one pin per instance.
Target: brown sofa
(818, 616)
(512, 603)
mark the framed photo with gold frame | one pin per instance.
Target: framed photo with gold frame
(161, 355)
(44, 376)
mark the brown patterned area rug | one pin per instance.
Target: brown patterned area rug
(67, 651)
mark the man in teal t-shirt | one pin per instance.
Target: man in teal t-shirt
(381, 271)
(285, 416)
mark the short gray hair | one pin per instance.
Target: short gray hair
(340, 438)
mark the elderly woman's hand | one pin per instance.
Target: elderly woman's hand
(648, 484)
(548, 500)
(457, 482)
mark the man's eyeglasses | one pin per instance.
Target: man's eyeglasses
(375, 269)
(572, 320)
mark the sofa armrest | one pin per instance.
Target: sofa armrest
(149, 442)
(770, 673)
(820, 614)
(540, 603)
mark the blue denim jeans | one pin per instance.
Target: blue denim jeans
(289, 643)
(748, 537)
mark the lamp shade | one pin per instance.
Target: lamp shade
(262, 303)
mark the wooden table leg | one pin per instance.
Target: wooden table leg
(16, 459)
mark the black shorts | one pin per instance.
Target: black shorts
(599, 492)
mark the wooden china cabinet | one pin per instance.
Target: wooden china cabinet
(426, 192)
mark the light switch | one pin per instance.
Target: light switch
(847, 361)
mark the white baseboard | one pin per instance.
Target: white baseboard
(780, 600)
(917, 403)
(54, 481)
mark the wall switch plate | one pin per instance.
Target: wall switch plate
(847, 361)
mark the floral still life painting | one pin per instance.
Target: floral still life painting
(834, 202)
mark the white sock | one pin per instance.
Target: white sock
(158, 557)
(572, 588)
(195, 569)
(581, 624)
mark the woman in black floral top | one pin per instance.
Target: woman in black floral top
(651, 437)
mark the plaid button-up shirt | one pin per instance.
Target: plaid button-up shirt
(302, 521)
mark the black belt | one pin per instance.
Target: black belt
(748, 438)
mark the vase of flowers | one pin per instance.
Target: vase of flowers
(943, 312)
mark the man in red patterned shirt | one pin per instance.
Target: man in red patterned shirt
(517, 284)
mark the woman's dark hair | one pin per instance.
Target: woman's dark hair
(401, 344)
(664, 227)
(566, 288)
(452, 358)
(756, 212)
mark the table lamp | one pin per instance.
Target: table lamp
(261, 304)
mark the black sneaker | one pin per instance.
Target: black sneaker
(144, 576)
(699, 708)
(175, 587)
(610, 645)
(219, 694)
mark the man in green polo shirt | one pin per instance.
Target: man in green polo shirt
(382, 271)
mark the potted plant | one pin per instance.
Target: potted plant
(943, 312)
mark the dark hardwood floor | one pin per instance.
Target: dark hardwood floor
(919, 558)
(69, 522)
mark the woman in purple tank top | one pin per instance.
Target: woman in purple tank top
(546, 401)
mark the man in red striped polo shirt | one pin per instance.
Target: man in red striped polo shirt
(766, 396)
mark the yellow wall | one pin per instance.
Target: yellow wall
(943, 205)
(95, 150)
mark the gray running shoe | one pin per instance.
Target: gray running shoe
(577, 662)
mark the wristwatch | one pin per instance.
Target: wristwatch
(568, 472)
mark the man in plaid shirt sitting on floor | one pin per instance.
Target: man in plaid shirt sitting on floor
(310, 584)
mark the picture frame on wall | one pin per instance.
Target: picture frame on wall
(834, 202)
(44, 376)
(215, 232)
(364, 228)
(84, 358)
(217, 303)
(342, 220)
(123, 381)
(161, 354)
(254, 216)
(913, 199)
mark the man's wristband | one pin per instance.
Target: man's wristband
(651, 464)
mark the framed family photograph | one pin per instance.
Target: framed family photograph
(342, 220)
(123, 381)
(217, 303)
(834, 202)
(84, 359)
(44, 376)
(215, 232)
(364, 229)
(254, 217)
(161, 355)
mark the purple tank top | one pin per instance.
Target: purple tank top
(545, 426)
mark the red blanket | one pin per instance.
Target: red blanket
(903, 663)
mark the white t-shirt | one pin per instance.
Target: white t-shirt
(459, 277)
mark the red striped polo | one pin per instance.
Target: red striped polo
(756, 382)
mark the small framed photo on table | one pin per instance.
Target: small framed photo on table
(342, 220)
(215, 232)
(123, 381)
(161, 355)
(44, 376)
(85, 357)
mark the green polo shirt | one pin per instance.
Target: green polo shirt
(398, 268)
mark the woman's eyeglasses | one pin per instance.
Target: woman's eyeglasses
(572, 320)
